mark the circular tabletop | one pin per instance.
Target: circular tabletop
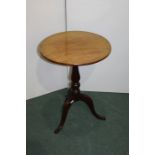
(75, 48)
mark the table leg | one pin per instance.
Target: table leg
(90, 104)
(65, 110)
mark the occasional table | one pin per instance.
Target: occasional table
(75, 48)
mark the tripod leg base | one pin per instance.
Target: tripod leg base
(74, 96)
(86, 99)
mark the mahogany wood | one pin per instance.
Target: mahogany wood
(76, 95)
(75, 48)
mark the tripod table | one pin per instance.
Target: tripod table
(75, 48)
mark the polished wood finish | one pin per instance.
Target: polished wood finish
(73, 96)
(75, 48)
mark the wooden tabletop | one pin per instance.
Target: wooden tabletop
(75, 48)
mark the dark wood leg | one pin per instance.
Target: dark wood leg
(65, 110)
(73, 96)
(90, 104)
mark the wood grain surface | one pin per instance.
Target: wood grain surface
(75, 48)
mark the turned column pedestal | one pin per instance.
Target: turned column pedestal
(75, 95)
